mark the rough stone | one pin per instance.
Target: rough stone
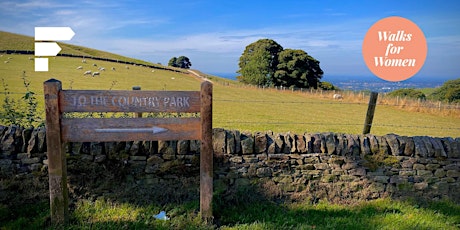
(260, 142)
(218, 143)
(195, 146)
(429, 147)
(28, 161)
(247, 143)
(365, 145)
(381, 179)
(374, 143)
(393, 143)
(330, 143)
(316, 139)
(421, 186)
(451, 146)
(183, 147)
(409, 146)
(438, 147)
(453, 173)
(231, 145)
(383, 145)
(264, 172)
(420, 148)
(300, 143)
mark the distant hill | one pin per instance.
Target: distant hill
(11, 41)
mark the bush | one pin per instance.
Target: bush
(20, 112)
(409, 93)
(449, 91)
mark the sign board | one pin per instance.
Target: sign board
(60, 130)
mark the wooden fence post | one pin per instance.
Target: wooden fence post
(57, 165)
(206, 155)
(370, 112)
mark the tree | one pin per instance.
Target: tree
(180, 62)
(449, 91)
(297, 69)
(259, 61)
(173, 62)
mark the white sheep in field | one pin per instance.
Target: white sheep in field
(87, 72)
(96, 73)
(31, 58)
(127, 67)
(337, 96)
(80, 67)
(83, 61)
(101, 69)
(6, 62)
(113, 68)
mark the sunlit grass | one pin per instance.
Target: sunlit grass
(377, 214)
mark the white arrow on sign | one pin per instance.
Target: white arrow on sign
(46, 48)
(53, 33)
(153, 130)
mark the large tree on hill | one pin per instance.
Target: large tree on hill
(259, 61)
(297, 69)
(449, 91)
(180, 62)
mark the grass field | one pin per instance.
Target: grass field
(234, 106)
(377, 214)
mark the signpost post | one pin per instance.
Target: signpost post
(60, 130)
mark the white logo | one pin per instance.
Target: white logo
(46, 48)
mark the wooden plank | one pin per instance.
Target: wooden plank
(206, 157)
(129, 101)
(129, 129)
(57, 165)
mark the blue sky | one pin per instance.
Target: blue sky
(213, 34)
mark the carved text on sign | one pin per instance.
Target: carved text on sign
(130, 101)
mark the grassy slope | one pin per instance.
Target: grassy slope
(280, 112)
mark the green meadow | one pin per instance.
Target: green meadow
(234, 106)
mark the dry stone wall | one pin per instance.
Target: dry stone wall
(319, 166)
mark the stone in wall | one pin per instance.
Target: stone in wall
(247, 143)
(33, 142)
(331, 142)
(451, 146)
(219, 141)
(183, 147)
(393, 144)
(26, 136)
(260, 142)
(11, 141)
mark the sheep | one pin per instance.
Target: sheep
(83, 61)
(87, 72)
(6, 62)
(113, 68)
(96, 73)
(9, 58)
(337, 96)
(101, 68)
(31, 58)
(95, 64)
(127, 67)
(153, 71)
(80, 67)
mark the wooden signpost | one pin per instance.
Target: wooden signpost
(60, 130)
